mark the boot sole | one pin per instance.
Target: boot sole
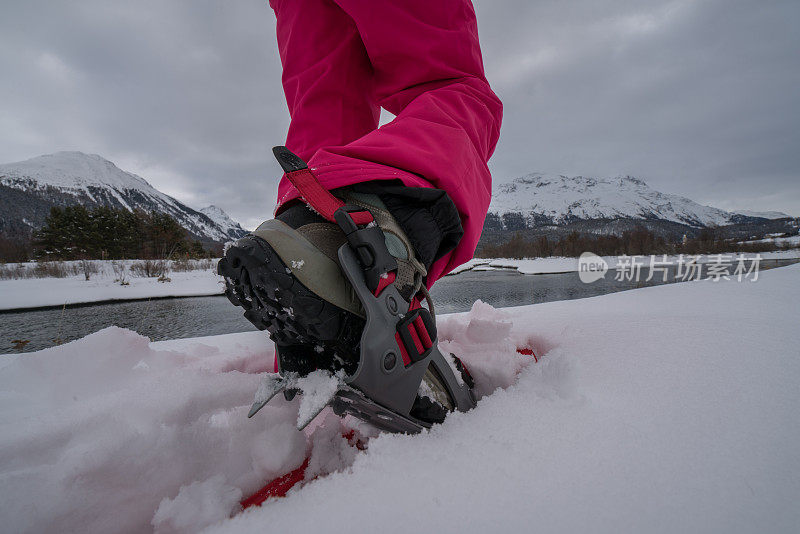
(297, 319)
(313, 268)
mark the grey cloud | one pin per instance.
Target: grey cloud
(696, 97)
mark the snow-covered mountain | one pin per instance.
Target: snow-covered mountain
(223, 220)
(762, 214)
(556, 199)
(28, 189)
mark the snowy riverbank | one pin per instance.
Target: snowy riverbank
(104, 285)
(27, 293)
(554, 265)
(664, 409)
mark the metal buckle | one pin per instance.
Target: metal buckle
(369, 245)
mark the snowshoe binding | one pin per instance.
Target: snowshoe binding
(337, 286)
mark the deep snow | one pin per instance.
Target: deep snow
(665, 409)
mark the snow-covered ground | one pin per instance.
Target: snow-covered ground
(104, 285)
(665, 409)
(568, 265)
(793, 240)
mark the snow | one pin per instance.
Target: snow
(76, 170)
(220, 218)
(562, 198)
(524, 266)
(197, 505)
(763, 214)
(664, 409)
(783, 241)
(317, 390)
(102, 286)
(556, 264)
(93, 440)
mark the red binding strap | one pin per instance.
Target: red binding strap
(361, 217)
(422, 332)
(314, 194)
(403, 351)
(415, 338)
(320, 199)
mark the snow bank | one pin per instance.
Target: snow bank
(526, 266)
(96, 433)
(663, 409)
(793, 240)
(103, 286)
(553, 265)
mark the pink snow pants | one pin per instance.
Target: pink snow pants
(420, 60)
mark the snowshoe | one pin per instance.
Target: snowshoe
(337, 286)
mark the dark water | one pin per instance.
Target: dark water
(204, 316)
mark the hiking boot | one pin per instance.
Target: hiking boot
(286, 275)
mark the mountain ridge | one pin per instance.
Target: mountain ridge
(29, 188)
(544, 198)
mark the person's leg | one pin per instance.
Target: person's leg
(330, 90)
(287, 274)
(327, 76)
(428, 71)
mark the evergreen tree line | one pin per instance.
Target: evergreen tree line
(75, 232)
(638, 242)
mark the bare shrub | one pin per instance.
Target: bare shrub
(150, 268)
(185, 265)
(88, 268)
(182, 265)
(14, 271)
(121, 273)
(52, 269)
(42, 269)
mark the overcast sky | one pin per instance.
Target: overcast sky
(697, 97)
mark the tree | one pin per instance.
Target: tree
(106, 233)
